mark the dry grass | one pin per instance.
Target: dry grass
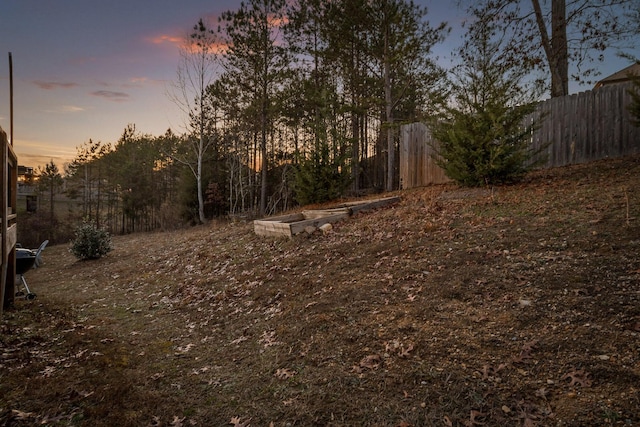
(518, 306)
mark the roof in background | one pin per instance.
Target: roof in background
(620, 76)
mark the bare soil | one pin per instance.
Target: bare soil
(510, 306)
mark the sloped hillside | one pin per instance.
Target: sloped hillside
(513, 306)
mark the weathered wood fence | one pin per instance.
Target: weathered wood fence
(578, 128)
(417, 167)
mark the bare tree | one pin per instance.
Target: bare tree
(197, 70)
(558, 36)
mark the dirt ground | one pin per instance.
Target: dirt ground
(510, 306)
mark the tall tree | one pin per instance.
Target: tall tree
(401, 50)
(321, 148)
(481, 137)
(85, 174)
(135, 159)
(558, 36)
(348, 37)
(259, 61)
(198, 69)
(49, 181)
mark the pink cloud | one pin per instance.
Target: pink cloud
(166, 38)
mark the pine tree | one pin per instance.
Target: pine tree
(486, 147)
(320, 178)
(482, 140)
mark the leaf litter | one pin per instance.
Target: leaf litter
(451, 307)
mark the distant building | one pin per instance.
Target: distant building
(26, 188)
(621, 76)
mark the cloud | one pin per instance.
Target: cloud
(111, 95)
(54, 85)
(38, 153)
(61, 109)
(185, 42)
(71, 109)
(35, 160)
(166, 38)
(138, 80)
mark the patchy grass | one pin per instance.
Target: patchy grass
(517, 306)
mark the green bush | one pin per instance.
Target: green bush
(320, 177)
(90, 242)
(484, 131)
(486, 147)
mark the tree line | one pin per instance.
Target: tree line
(291, 103)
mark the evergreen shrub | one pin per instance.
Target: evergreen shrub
(90, 242)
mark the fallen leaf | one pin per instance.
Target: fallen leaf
(578, 377)
(489, 371)
(370, 362)
(525, 353)
(284, 373)
(404, 352)
(237, 422)
(21, 415)
(268, 339)
(391, 346)
(473, 419)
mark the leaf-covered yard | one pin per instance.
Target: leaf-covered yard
(515, 306)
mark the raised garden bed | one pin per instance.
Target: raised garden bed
(311, 220)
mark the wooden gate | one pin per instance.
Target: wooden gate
(417, 167)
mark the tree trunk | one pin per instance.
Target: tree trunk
(388, 102)
(556, 48)
(263, 144)
(201, 216)
(391, 160)
(51, 211)
(263, 154)
(560, 76)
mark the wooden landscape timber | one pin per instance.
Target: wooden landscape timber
(311, 220)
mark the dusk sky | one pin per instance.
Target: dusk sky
(85, 69)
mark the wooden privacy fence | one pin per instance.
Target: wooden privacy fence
(578, 128)
(417, 167)
(587, 126)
